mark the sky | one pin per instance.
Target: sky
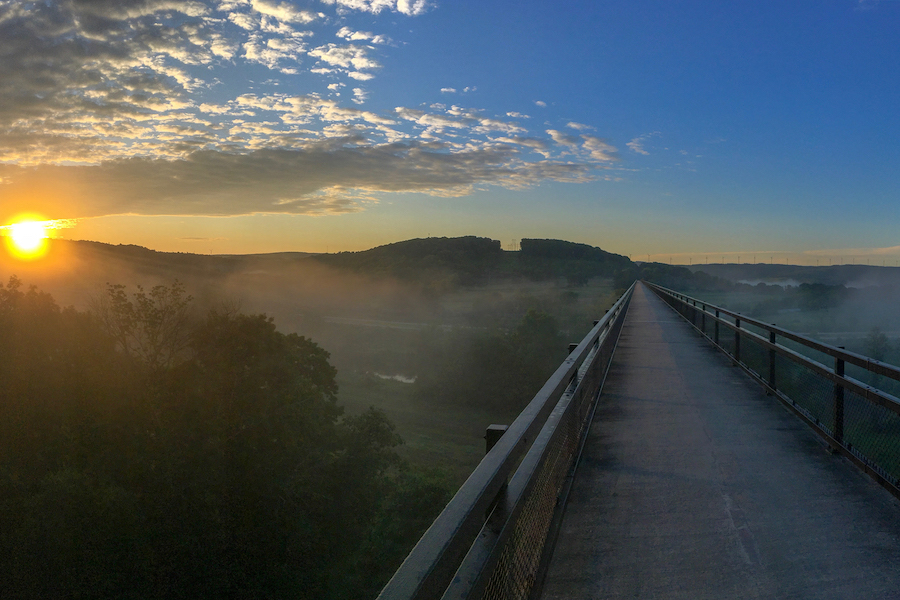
(679, 131)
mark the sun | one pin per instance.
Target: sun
(27, 238)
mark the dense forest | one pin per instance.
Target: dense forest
(150, 452)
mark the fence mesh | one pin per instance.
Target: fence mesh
(866, 428)
(517, 566)
(520, 555)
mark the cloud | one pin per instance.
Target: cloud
(637, 144)
(540, 103)
(564, 139)
(599, 149)
(360, 95)
(448, 90)
(354, 36)
(536, 144)
(156, 107)
(406, 7)
(486, 125)
(579, 126)
(274, 52)
(352, 59)
(429, 120)
(275, 180)
(284, 11)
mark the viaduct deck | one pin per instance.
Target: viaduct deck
(694, 484)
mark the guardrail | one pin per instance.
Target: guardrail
(490, 540)
(857, 419)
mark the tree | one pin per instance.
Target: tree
(877, 344)
(152, 327)
(235, 475)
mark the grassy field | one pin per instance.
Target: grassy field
(448, 436)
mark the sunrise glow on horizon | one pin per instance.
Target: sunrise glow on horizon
(649, 129)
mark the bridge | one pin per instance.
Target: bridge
(681, 451)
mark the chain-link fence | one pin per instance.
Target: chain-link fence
(490, 540)
(847, 398)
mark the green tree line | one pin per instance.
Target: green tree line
(147, 451)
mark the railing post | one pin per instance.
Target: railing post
(492, 436)
(838, 429)
(737, 340)
(716, 329)
(772, 354)
(703, 319)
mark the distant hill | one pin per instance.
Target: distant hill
(76, 271)
(545, 259)
(456, 260)
(473, 260)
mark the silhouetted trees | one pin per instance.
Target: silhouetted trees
(149, 453)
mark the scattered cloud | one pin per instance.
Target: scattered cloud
(579, 126)
(540, 103)
(564, 139)
(448, 90)
(366, 36)
(536, 144)
(352, 56)
(278, 180)
(599, 149)
(637, 144)
(167, 107)
(360, 95)
(284, 11)
(406, 7)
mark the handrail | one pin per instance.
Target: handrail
(853, 358)
(470, 532)
(842, 429)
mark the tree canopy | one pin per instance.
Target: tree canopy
(147, 452)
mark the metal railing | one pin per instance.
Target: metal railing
(857, 419)
(490, 540)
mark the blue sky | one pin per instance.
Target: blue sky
(661, 128)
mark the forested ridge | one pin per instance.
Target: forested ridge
(147, 451)
(474, 260)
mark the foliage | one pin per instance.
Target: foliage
(233, 474)
(498, 369)
(152, 328)
(672, 277)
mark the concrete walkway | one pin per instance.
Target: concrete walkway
(694, 484)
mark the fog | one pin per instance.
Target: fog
(841, 305)
(397, 343)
